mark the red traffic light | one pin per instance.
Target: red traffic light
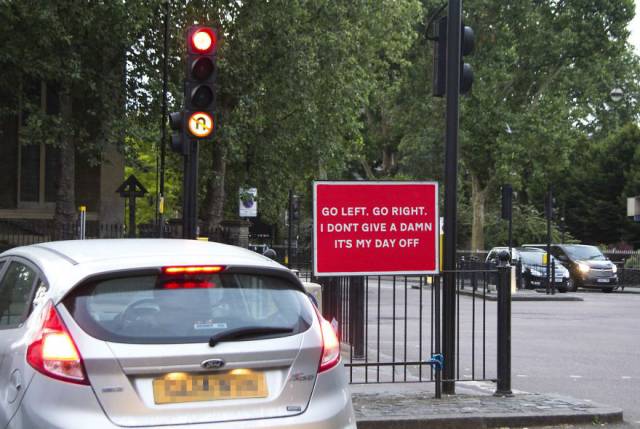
(203, 40)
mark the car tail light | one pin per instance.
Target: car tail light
(53, 351)
(196, 269)
(330, 346)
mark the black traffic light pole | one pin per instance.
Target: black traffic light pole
(289, 238)
(507, 212)
(548, 211)
(190, 192)
(163, 129)
(454, 24)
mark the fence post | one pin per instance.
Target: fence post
(437, 331)
(504, 326)
(356, 316)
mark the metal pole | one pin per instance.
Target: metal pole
(83, 222)
(290, 233)
(193, 200)
(549, 211)
(436, 345)
(190, 192)
(163, 127)
(510, 233)
(186, 191)
(454, 24)
(132, 214)
(504, 331)
(356, 316)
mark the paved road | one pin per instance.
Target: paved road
(587, 350)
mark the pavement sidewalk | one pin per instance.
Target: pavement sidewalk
(413, 406)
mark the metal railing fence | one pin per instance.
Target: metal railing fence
(390, 325)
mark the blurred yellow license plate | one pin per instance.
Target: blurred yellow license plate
(181, 387)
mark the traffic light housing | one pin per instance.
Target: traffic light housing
(196, 120)
(467, 44)
(178, 138)
(201, 70)
(440, 59)
(295, 208)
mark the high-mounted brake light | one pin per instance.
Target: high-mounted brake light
(197, 269)
(330, 345)
(53, 351)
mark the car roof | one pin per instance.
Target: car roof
(83, 251)
(65, 263)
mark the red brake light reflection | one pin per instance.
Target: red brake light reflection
(189, 285)
(199, 269)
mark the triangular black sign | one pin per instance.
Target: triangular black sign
(131, 187)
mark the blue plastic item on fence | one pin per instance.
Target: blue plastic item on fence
(437, 361)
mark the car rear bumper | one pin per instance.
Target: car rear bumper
(53, 404)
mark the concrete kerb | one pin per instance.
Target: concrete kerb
(409, 407)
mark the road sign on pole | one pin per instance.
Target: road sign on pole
(132, 189)
(372, 228)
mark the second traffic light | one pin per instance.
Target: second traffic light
(196, 121)
(467, 42)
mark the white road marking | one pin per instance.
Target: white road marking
(522, 375)
(575, 376)
(626, 377)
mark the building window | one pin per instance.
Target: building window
(38, 163)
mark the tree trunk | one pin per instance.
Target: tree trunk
(478, 198)
(215, 192)
(65, 212)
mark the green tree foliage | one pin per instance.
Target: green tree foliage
(342, 90)
(543, 73)
(294, 80)
(79, 52)
(596, 195)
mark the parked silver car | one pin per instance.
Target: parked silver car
(162, 333)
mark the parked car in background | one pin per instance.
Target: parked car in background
(153, 333)
(533, 267)
(588, 267)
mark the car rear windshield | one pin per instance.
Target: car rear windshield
(187, 308)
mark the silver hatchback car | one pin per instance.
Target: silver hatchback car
(162, 333)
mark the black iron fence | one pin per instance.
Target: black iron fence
(390, 326)
(22, 233)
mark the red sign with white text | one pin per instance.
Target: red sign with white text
(375, 228)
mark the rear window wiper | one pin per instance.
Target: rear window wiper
(247, 331)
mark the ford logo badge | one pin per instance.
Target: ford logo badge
(212, 364)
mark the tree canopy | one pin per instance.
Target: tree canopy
(342, 90)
